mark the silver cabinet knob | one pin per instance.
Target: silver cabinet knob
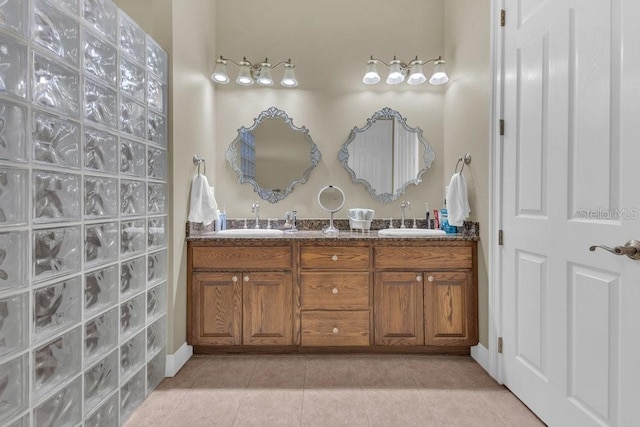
(234, 279)
(246, 278)
(335, 331)
(334, 291)
(335, 257)
(419, 278)
(430, 278)
(630, 249)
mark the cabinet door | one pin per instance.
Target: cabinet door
(267, 309)
(217, 316)
(397, 309)
(450, 309)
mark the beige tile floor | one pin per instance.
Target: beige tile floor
(332, 390)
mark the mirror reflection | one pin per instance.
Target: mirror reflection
(273, 155)
(386, 155)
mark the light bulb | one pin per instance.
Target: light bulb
(371, 76)
(439, 76)
(416, 76)
(244, 75)
(395, 73)
(289, 77)
(264, 78)
(220, 73)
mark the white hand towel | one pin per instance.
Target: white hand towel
(203, 207)
(457, 203)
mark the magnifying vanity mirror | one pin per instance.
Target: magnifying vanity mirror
(386, 155)
(331, 199)
(273, 155)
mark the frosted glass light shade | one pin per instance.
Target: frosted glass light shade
(416, 76)
(264, 78)
(439, 76)
(220, 73)
(395, 73)
(244, 75)
(371, 76)
(289, 77)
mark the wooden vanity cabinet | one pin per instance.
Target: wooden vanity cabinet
(240, 295)
(398, 308)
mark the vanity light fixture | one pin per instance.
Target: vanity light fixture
(249, 73)
(412, 71)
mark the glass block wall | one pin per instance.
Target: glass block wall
(83, 203)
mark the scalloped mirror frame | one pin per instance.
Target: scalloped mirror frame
(232, 155)
(386, 114)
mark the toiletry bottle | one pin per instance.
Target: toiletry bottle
(427, 215)
(223, 222)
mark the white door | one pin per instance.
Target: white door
(571, 161)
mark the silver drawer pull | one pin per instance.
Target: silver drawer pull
(234, 279)
(419, 278)
(335, 257)
(335, 331)
(246, 278)
(334, 291)
(430, 278)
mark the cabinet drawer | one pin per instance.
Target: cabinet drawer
(242, 257)
(335, 258)
(335, 328)
(426, 257)
(334, 291)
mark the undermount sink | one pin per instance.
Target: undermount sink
(410, 232)
(250, 232)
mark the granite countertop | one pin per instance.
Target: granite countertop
(311, 230)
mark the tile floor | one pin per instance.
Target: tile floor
(332, 390)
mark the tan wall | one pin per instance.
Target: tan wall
(330, 42)
(466, 118)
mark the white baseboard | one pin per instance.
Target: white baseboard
(481, 355)
(177, 360)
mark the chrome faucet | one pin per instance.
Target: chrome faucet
(255, 208)
(404, 205)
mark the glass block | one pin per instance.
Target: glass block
(156, 301)
(132, 317)
(107, 414)
(100, 104)
(132, 79)
(133, 197)
(100, 243)
(55, 141)
(100, 197)
(156, 94)
(157, 198)
(156, 267)
(13, 259)
(13, 67)
(132, 276)
(56, 196)
(100, 380)
(55, 30)
(157, 163)
(55, 86)
(56, 307)
(56, 361)
(132, 38)
(14, 380)
(24, 421)
(132, 117)
(132, 237)
(132, 355)
(132, 393)
(72, 6)
(157, 235)
(14, 184)
(62, 409)
(99, 58)
(156, 336)
(100, 336)
(14, 16)
(132, 157)
(100, 289)
(100, 150)
(102, 16)
(156, 370)
(56, 252)
(157, 129)
(14, 322)
(157, 60)
(13, 132)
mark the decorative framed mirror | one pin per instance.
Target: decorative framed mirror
(386, 155)
(273, 155)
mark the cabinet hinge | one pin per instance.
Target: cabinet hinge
(501, 127)
(500, 345)
(500, 238)
(503, 17)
